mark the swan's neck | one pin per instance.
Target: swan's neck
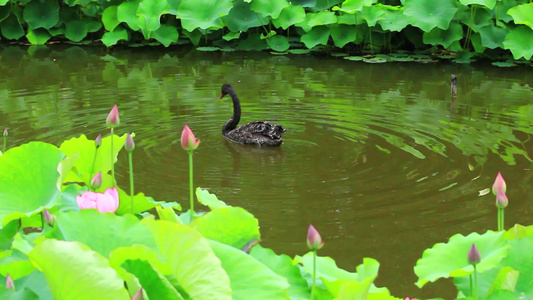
(232, 123)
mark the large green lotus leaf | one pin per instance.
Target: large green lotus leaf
(111, 38)
(168, 214)
(38, 36)
(85, 149)
(427, 15)
(500, 11)
(393, 20)
(489, 281)
(253, 42)
(73, 271)
(41, 14)
(451, 259)
(278, 43)
(241, 17)
(326, 268)
(208, 199)
(352, 6)
(3, 2)
(372, 14)
(359, 289)
(28, 180)
(127, 12)
(24, 293)
(5, 11)
(140, 203)
(283, 266)
(191, 260)
(7, 233)
(270, 8)
(475, 38)
(487, 3)
(109, 18)
(118, 256)
(342, 34)
(520, 42)
(203, 14)
(151, 11)
(35, 282)
(445, 38)
(482, 17)
(11, 28)
(102, 232)
(303, 3)
(155, 285)
(492, 36)
(248, 276)
(522, 14)
(166, 34)
(518, 231)
(194, 36)
(321, 18)
(233, 226)
(317, 35)
(15, 264)
(520, 258)
(290, 15)
(76, 30)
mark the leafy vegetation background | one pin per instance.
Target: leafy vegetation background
(488, 27)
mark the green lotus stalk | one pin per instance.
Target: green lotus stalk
(130, 145)
(189, 143)
(314, 242)
(469, 31)
(5, 141)
(474, 257)
(97, 144)
(113, 121)
(501, 204)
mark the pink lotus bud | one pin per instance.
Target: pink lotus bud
(139, 295)
(130, 145)
(106, 202)
(314, 241)
(5, 132)
(9, 282)
(473, 255)
(113, 119)
(501, 199)
(188, 141)
(96, 181)
(49, 218)
(499, 183)
(98, 141)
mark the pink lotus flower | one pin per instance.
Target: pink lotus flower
(188, 140)
(106, 202)
(9, 282)
(113, 119)
(501, 199)
(499, 183)
(314, 241)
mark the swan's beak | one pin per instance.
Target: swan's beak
(221, 96)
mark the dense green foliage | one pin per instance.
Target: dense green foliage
(358, 26)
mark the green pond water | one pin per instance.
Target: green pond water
(379, 158)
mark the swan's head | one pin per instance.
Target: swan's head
(226, 88)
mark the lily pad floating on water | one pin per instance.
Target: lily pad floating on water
(375, 60)
(503, 64)
(299, 51)
(339, 54)
(207, 49)
(354, 58)
(401, 58)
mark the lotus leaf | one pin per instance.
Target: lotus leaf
(522, 14)
(28, 177)
(520, 258)
(326, 268)
(518, 231)
(270, 8)
(203, 14)
(38, 36)
(11, 28)
(3, 2)
(127, 12)
(372, 14)
(487, 3)
(492, 36)
(41, 14)
(166, 34)
(233, 226)
(475, 39)
(231, 36)
(16, 264)
(154, 284)
(482, 17)
(348, 19)
(342, 34)
(290, 15)
(317, 35)
(173, 6)
(444, 37)
(151, 11)
(501, 9)
(450, 259)
(90, 277)
(241, 17)
(304, 3)
(194, 36)
(283, 266)
(76, 30)
(138, 252)
(248, 276)
(5, 11)
(427, 15)
(393, 20)
(109, 18)
(22, 293)
(191, 260)
(325, 4)
(352, 6)
(321, 18)
(278, 43)
(209, 199)
(7, 233)
(253, 42)
(520, 42)
(36, 282)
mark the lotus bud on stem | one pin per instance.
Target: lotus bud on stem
(139, 295)
(189, 143)
(314, 242)
(9, 282)
(499, 183)
(474, 257)
(97, 144)
(112, 121)
(501, 204)
(130, 145)
(49, 218)
(96, 181)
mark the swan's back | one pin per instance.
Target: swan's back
(261, 133)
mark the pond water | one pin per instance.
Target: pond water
(379, 158)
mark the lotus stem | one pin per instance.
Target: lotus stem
(501, 219)
(475, 283)
(92, 169)
(5, 144)
(314, 276)
(112, 162)
(130, 159)
(191, 198)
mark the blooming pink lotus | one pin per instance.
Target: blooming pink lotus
(188, 140)
(106, 202)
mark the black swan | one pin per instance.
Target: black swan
(260, 133)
